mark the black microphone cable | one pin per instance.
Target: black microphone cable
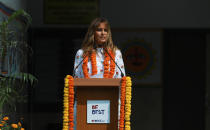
(78, 65)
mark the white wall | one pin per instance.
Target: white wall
(144, 13)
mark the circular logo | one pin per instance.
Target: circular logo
(139, 58)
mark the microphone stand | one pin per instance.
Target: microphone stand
(79, 65)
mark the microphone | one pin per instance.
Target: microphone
(78, 65)
(122, 75)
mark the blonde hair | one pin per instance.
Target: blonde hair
(89, 45)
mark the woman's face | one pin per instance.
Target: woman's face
(100, 34)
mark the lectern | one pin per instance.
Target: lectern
(97, 89)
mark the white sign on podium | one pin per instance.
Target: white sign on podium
(98, 111)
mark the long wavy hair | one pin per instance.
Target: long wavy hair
(89, 45)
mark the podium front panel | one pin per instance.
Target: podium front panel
(97, 93)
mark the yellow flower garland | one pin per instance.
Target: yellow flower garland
(128, 103)
(66, 104)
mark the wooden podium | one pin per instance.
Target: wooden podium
(97, 89)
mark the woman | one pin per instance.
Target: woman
(98, 53)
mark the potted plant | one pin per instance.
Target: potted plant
(14, 53)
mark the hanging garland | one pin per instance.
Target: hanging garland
(109, 69)
(122, 105)
(84, 67)
(68, 104)
(125, 106)
(106, 65)
(125, 94)
(112, 64)
(93, 63)
(128, 96)
(71, 103)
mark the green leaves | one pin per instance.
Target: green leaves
(24, 78)
(7, 94)
(11, 88)
(15, 15)
(14, 50)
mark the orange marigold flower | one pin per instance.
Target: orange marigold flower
(14, 125)
(1, 125)
(22, 129)
(3, 122)
(19, 124)
(6, 118)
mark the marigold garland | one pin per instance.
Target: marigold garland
(84, 67)
(112, 65)
(122, 105)
(109, 69)
(128, 103)
(125, 107)
(68, 104)
(93, 63)
(109, 65)
(106, 65)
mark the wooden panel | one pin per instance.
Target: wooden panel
(97, 93)
(108, 82)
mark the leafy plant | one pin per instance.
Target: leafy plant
(14, 52)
